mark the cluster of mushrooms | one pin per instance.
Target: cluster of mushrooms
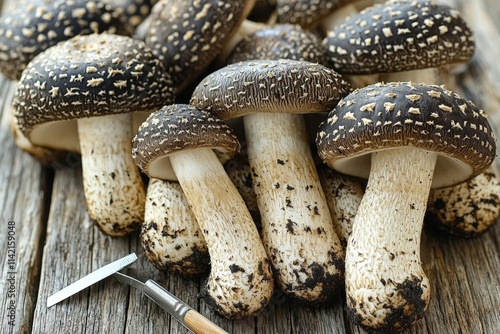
(322, 94)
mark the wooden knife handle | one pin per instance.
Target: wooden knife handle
(201, 325)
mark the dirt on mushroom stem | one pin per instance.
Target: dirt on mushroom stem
(383, 252)
(240, 283)
(170, 236)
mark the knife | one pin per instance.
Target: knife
(191, 319)
(90, 279)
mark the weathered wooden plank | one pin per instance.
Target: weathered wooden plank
(22, 198)
(73, 248)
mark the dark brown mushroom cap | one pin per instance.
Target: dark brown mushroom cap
(175, 128)
(35, 25)
(281, 41)
(133, 12)
(88, 76)
(385, 116)
(398, 36)
(283, 86)
(188, 35)
(306, 12)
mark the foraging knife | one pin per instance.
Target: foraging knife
(191, 319)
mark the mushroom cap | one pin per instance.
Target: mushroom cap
(306, 12)
(35, 25)
(393, 115)
(399, 35)
(188, 35)
(87, 76)
(175, 128)
(281, 41)
(133, 12)
(283, 86)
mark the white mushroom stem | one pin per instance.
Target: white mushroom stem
(113, 186)
(170, 236)
(384, 276)
(240, 282)
(297, 229)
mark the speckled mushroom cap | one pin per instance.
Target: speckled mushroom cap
(384, 116)
(281, 41)
(188, 35)
(35, 25)
(179, 127)
(133, 12)
(284, 86)
(399, 35)
(306, 12)
(87, 76)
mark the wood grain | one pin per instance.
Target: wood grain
(23, 191)
(57, 244)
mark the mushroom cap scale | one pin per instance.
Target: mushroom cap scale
(188, 35)
(384, 116)
(179, 127)
(35, 25)
(281, 41)
(282, 86)
(399, 35)
(88, 76)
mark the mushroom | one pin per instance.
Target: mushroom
(296, 227)
(343, 194)
(78, 96)
(35, 25)
(282, 41)
(180, 141)
(400, 35)
(188, 35)
(405, 138)
(468, 209)
(170, 236)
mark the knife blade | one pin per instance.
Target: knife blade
(91, 278)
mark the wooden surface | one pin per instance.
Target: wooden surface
(56, 244)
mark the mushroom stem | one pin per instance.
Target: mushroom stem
(386, 286)
(170, 236)
(113, 186)
(240, 282)
(297, 229)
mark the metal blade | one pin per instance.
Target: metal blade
(91, 278)
(130, 280)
